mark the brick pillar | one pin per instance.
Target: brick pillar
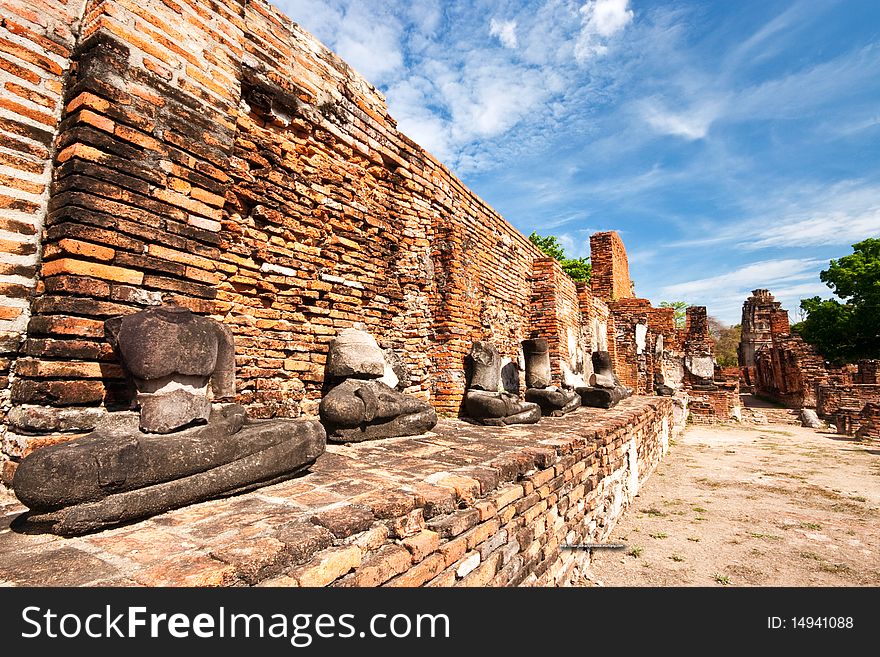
(610, 276)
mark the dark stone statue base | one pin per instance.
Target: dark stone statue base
(664, 390)
(118, 474)
(358, 410)
(554, 401)
(499, 408)
(603, 397)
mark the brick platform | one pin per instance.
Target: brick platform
(462, 505)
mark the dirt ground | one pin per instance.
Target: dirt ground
(766, 505)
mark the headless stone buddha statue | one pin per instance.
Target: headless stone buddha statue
(605, 389)
(179, 449)
(363, 403)
(485, 401)
(552, 400)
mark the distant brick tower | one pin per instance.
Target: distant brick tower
(609, 279)
(762, 318)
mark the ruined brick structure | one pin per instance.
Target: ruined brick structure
(713, 395)
(780, 366)
(224, 160)
(851, 405)
(218, 157)
(610, 278)
(760, 314)
(776, 363)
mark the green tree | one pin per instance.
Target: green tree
(844, 332)
(578, 268)
(680, 308)
(726, 342)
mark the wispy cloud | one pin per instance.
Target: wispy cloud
(801, 216)
(505, 31)
(753, 275)
(456, 93)
(691, 123)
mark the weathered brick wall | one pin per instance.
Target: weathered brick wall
(869, 421)
(868, 372)
(462, 506)
(482, 271)
(789, 372)
(222, 159)
(719, 402)
(35, 46)
(830, 398)
(557, 315)
(137, 198)
(610, 268)
(637, 328)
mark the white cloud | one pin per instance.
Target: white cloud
(576, 245)
(600, 20)
(505, 31)
(806, 215)
(835, 228)
(691, 124)
(754, 275)
(367, 35)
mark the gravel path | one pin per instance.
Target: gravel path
(771, 505)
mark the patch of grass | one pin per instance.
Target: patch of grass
(859, 498)
(769, 537)
(836, 568)
(710, 483)
(635, 551)
(699, 509)
(654, 512)
(810, 555)
(659, 535)
(677, 557)
(721, 579)
(694, 539)
(811, 525)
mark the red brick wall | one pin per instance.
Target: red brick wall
(868, 372)
(790, 371)
(35, 46)
(222, 159)
(779, 323)
(610, 278)
(832, 397)
(557, 316)
(139, 188)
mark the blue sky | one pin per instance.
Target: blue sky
(733, 145)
